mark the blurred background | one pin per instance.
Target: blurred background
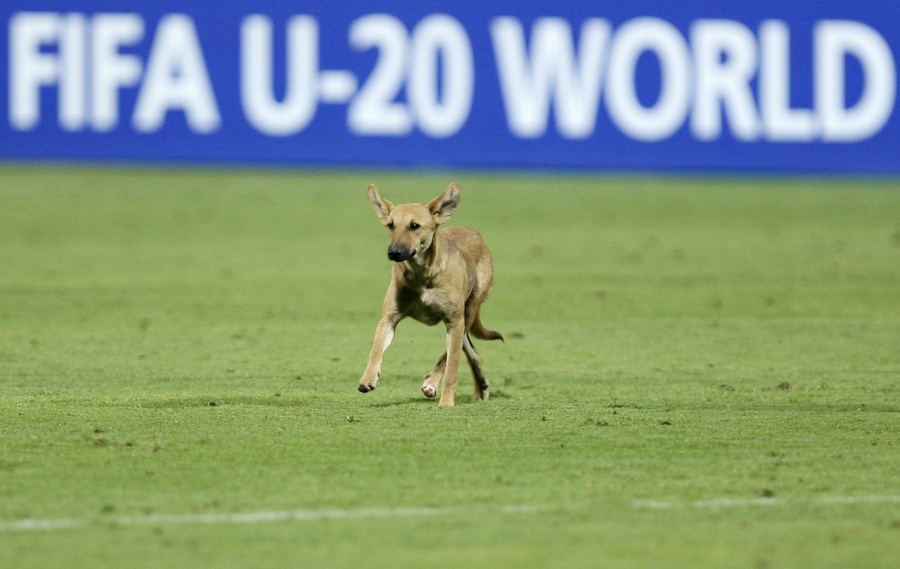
(772, 87)
(694, 214)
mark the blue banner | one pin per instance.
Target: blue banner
(653, 86)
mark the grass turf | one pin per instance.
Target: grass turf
(697, 373)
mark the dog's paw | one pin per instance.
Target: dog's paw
(367, 381)
(481, 395)
(429, 391)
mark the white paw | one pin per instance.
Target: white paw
(429, 390)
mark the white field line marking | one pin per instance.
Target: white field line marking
(335, 514)
(245, 518)
(723, 503)
(717, 504)
(860, 499)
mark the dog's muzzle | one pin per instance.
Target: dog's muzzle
(399, 254)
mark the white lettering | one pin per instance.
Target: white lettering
(441, 114)
(72, 79)
(723, 79)
(296, 110)
(725, 61)
(835, 40)
(781, 122)
(176, 78)
(551, 71)
(29, 68)
(375, 110)
(625, 109)
(111, 69)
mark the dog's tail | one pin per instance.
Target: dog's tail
(482, 333)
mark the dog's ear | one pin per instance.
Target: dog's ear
(381, 206)
(442, 206)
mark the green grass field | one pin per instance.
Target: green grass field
(698, 373)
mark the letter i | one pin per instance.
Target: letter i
(73, 72)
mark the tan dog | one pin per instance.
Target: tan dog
(438, 276)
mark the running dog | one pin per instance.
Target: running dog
(438, 276)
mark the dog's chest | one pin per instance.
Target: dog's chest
(427, 305)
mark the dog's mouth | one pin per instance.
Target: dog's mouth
(398, 254)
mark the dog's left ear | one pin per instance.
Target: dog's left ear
(442, 207)
(381, 206)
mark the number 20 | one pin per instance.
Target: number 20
(438, 106)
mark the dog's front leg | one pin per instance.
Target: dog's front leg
(456, 331)
(384, 334)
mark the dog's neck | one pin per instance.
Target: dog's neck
(421, 269)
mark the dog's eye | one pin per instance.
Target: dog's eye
(414, 226)
(390, 225)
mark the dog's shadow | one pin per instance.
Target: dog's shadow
(421, 400)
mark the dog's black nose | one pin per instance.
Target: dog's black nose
(398, 254)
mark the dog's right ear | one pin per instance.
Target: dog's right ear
(381, 206)
(442, 207)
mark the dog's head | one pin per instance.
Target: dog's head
(412, 226)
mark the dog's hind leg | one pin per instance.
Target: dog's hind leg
(481, 382)
(433, 378)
